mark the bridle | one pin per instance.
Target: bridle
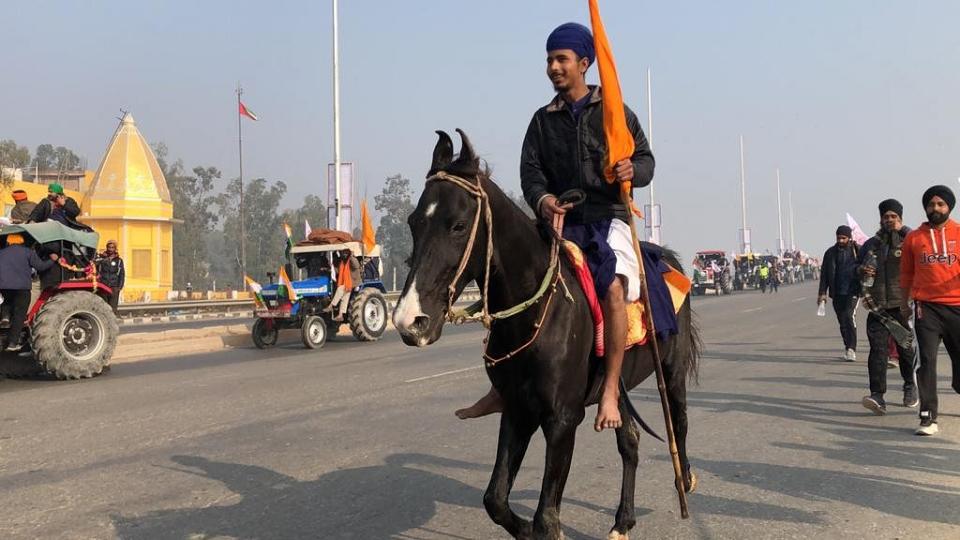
(480, 311)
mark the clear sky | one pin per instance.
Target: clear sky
(854, 100)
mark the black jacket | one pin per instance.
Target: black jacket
(560, 153)
(71, 210)
(15, 264)
(110, 272)
(829, 270)
(885, 249)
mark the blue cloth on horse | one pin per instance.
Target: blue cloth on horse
(592, 239)
(661, 303)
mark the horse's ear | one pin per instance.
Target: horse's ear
(442, 153)
(466, 149)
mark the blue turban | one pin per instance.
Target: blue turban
(575, 37)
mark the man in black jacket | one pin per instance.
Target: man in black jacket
(110, 272)
(58, 207)
(16, 262)
(839, 279)
(564, 149)
(880, 264)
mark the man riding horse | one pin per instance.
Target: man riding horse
(564, 149)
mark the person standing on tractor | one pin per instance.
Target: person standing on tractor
(348, 276)
(22, 208)
(564, 149)
(16, 263)
(110, 272)
(58, 207)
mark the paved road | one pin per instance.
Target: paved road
(359, 441)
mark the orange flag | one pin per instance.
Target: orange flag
(620, 144)
(369, 236)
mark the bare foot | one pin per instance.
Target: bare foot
(608, 413)
(488, 404)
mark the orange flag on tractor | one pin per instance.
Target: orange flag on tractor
(369, 236)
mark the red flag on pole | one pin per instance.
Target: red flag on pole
(244, 111)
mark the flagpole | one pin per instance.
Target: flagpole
(779, 217)
(243, 232)
(336, 113)
(793, 240)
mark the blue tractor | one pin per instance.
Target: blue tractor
(311, 311)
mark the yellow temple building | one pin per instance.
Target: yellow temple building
(126, 200)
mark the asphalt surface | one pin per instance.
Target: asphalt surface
(359, 441)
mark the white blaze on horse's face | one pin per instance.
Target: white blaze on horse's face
(431, 209)
(407, 312)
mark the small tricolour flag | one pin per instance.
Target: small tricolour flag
(244, 111)
(255, 289)
(284, 281)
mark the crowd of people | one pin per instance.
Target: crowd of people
(24, 263)
(907, 279)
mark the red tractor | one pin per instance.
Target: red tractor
(71, 328)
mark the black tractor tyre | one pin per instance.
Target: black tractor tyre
(313, 333)
(264, 336)
(368, 314)
(74, 334)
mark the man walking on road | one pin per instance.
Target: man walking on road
(839, 280)
(930, 275)
(880, 268)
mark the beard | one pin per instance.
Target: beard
(937, 218)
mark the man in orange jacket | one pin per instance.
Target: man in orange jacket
(930, 273)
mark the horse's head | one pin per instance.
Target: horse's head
(441, 225)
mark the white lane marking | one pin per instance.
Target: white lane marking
(408, 308)
(431, 209)
(751, 310)
(444, 374)
(801, 299)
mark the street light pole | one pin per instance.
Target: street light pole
(744, 240)
(779, 218)
(793, 239)
(336, 114)
(654, 214)
(243, 232)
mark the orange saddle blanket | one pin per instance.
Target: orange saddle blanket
(677, 283)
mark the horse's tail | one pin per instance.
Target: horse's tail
(689, 344)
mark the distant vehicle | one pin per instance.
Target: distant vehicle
(711, 270)
(366, 314)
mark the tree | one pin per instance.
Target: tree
(193, 201)
(263, 224)
(60, 158)
(393, 233)
(12, 157)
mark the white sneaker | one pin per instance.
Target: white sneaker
(927, 428)
(851, 355)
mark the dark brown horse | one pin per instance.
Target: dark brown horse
(550, 380)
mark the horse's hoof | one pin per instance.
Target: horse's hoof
(693, 482)
(614, 535)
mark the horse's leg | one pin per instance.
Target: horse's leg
(628, 442)
(515, 433)
(675, 375)
(560, 432)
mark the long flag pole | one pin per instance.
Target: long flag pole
(620, 146)
(243, 232)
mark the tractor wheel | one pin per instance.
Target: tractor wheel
(74, 334)
(264, 335)
(368, 315)
(313, 332)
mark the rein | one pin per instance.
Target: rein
(480, 311)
